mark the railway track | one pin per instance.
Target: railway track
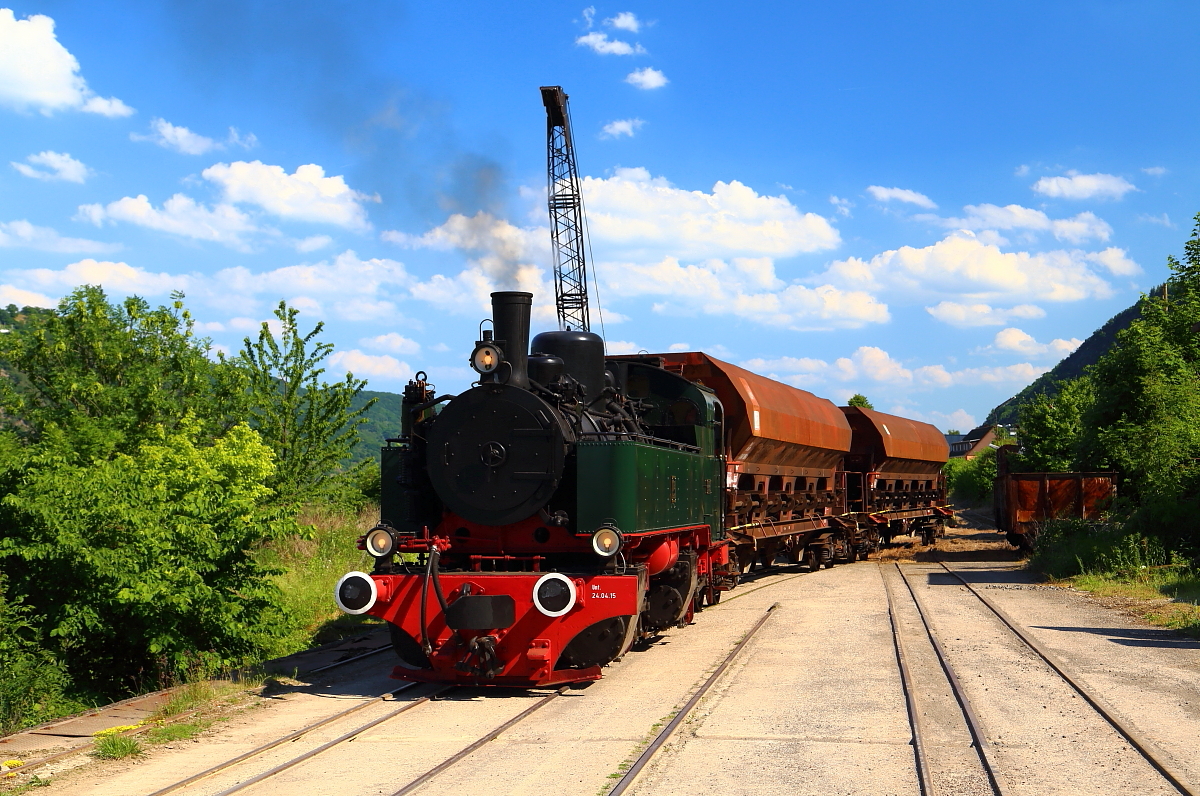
(431, 775)
(984, 749)
(631, 775)
(147, 705)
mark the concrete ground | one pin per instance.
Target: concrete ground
(812, 705)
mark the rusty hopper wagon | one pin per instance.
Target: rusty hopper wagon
(894, 474)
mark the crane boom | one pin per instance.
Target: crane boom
(565, 200)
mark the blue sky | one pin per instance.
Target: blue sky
(927, 203)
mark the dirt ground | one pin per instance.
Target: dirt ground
(974, 538)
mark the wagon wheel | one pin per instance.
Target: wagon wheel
(813, 559)
(851, 556)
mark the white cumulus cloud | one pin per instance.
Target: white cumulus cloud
(647, 78)
(967, 315)
(1115, 260)
(1078, 229)
(743, 287)
(379, 366)
(901, 195)
(55, 166)
(392, 343)
(306, 195)
(179, 215)
(959, 419)
(620, 127)
(120, 277)
(697, 251)
(964, 267)
(347, 285)
(842, 206)
(1006, 375)
(1084, 186)
(502, 256)
(24, 298)
(600, 43)
(873, 364)
(640, 217)
(22, 234)
(38, 73)
(180, 139)
(1155, 171)
(1019, 342)
(626, 20)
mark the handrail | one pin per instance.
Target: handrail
(625, 436)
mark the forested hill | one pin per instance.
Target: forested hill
(1070, 367)
(383, 421)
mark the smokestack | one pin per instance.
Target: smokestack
(510, 318)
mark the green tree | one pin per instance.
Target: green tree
(860, 400)
(309, 424)
(1052, 427)
(103, 375)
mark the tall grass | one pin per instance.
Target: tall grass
(312, 567)
(1104, 558)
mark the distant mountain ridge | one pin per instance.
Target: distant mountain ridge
(383, 421)
(1070, 367)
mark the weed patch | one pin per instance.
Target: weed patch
(1103, 559)
(182, 731)
(116, 747)
(311, 567)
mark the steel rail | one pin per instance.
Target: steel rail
(740, 594)
(84, 747)
(906, 683)
(491, 736)
(81, 748)
(336, 664)
(330, 744)
(983, 747)
(1133, 736)
(632, 774)
(258, 750)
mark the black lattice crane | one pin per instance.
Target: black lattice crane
(566, 214)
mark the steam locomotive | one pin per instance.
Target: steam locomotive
(535, 526)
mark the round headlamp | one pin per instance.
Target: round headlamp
(607, 542)
(486, 358)
(554, 594)
(355, 593)
(380, 542)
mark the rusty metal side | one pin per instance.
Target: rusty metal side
(896, 437)
(1025, 499)
(767, 420)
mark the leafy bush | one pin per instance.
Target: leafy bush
(33, 685)
(141, 479)
(971, 481)
(140, 566)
